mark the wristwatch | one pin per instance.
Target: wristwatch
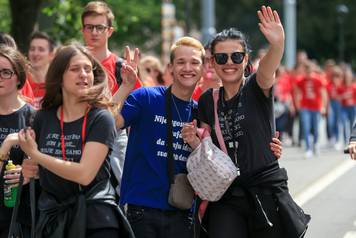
(4, 157)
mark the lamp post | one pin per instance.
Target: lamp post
(342, 11)
(290, 22)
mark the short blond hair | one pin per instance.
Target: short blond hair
(187, 41)
(98, 8)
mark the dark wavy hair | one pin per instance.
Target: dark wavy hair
(18, 62)
(233, 34)
(98, 95)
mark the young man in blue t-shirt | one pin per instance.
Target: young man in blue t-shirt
(145, 184)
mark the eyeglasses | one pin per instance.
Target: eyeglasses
(6, 73)
(99, 28)
(236, 57)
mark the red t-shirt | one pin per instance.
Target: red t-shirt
(283, 88)
(109, 64)
(334, 91)
(348, 95)
(310, 87)
(38, 89)
(27, 92)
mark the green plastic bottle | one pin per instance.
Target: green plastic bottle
(10, 190)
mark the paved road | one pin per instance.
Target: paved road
(325, 186)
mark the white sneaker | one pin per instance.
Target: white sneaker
(338, 146)
(308, 154)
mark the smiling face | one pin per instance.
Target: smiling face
(8, 86)
(229, 72)
(187, 66)
(78, 77)
(39, 53)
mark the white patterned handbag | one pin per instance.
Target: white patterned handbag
(210, 170)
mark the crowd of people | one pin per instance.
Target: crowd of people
(89, 130)
(310, 92)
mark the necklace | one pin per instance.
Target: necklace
(175, 105)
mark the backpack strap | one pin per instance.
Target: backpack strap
(118, 65)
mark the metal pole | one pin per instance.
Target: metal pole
(208, 20)
(187, 16)
(342, 11)
(290, 31)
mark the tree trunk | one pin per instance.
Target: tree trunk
(24, 17)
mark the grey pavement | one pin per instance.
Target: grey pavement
(303, 172)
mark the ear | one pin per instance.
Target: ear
(110, 31)
(170, 68)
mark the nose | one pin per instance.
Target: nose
(187, 66)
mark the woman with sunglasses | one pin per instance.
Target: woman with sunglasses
(252, 207)
(72, 139)
(15, 114)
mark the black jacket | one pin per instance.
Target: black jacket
(272, 180)
(68, 218)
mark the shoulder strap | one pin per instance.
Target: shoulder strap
(169, 144)
(118, 65)
(15, 211)
(216, 121)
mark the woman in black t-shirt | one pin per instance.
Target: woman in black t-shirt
(72, 139)
(257, 204)
(15, 114)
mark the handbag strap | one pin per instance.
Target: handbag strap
(216, 121)
(170, 160)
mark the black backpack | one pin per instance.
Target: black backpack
(118, 65)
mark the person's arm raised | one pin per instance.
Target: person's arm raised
(271, 27)
(129, 78)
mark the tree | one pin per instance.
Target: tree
(24, 16)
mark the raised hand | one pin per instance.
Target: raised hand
(129, 68)
(271, 26)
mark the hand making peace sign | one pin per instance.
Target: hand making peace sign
(129, 68)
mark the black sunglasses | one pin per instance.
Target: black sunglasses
(236, 57)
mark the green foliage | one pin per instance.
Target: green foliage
(5, 21)
(136, 22)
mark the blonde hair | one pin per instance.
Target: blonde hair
(98, 8)
(187, 41)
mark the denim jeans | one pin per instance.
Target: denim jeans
(348, 118)
(310, 121)
(156, 223)
(334, 119)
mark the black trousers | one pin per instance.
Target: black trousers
(155, 223)
(233, 217)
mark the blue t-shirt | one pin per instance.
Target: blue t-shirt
(145, 179)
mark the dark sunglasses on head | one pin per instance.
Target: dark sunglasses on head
(236, 57)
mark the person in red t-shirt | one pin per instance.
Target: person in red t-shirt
(40, 54)
(334, 86)
(311, 102)
(97, 28)
(283, 105)
(348, 101)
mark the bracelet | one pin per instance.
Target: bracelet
(4, 157)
